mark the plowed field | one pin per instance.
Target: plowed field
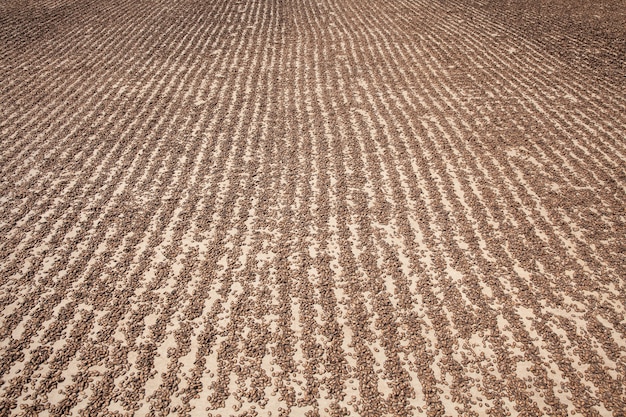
(311, 207)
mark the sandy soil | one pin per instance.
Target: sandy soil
(312, 207)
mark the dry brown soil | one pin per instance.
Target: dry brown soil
(312, 207)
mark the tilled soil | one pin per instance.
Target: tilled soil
(328, 207)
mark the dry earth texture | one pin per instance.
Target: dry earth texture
(311, 207)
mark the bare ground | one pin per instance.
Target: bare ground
(312, 208)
